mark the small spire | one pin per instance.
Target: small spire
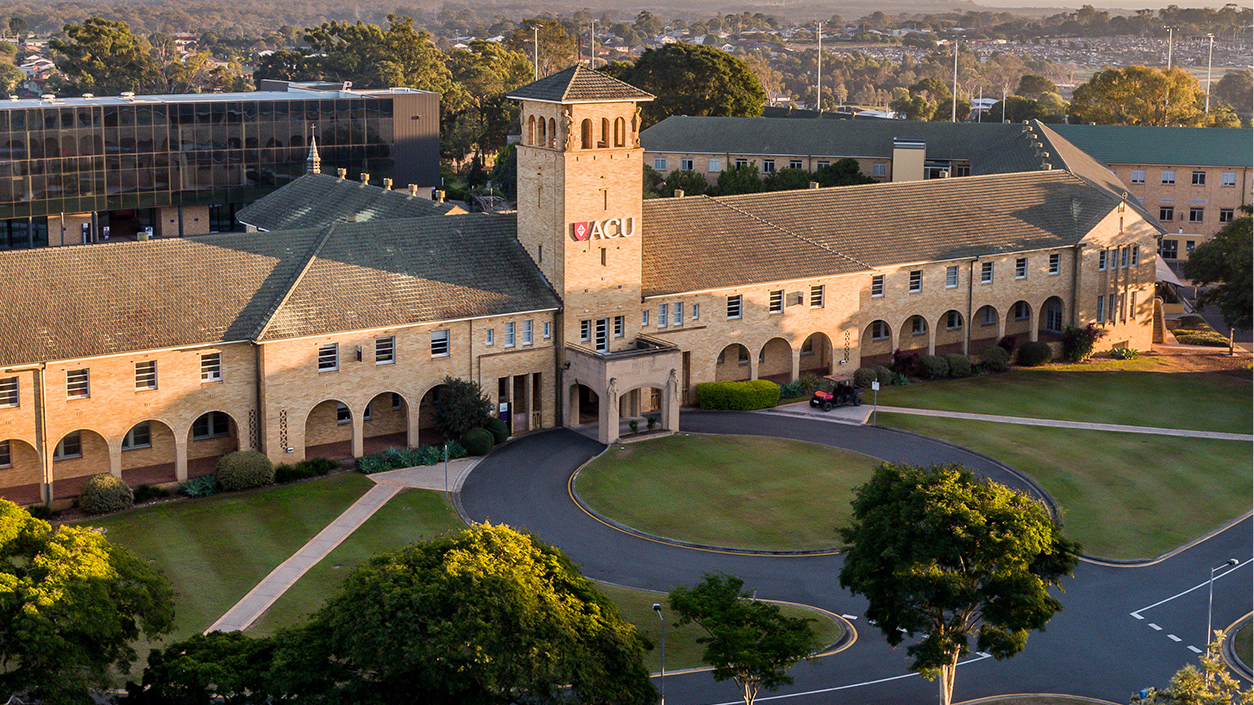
(313, 163)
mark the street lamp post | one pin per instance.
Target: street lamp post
(818, 76)
(536, 52)
(1170, 35)
(1209, 54)
(953, 112)
(1211, 600)
(658, 608)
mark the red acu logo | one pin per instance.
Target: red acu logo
(581, 231)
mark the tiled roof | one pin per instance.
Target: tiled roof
(1179, 146)
(1075, 160)
(373, 275)
(852, 228)
(318, 200)
(577, 84)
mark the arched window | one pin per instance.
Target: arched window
(544, 139)
(585, 141)
(531, 130)
(605, 133)
(620, 132)
(552, 133)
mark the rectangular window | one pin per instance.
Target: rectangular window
(659, 163)
(696, 311)
(1199, 178)
(385, 350)
(1166, 213)
(620, 325)
(777, 301)
(768, 166)
(6, 456)
(1021, 268)
(733, 306)
(342, 413)
(1101, 309)
(879, 330)
(1228, 178)
(527, 329)
(77, 384)
(1055, 263)
(679, 313)
(140, 436)
(877, 285)
(816, 296)
(146, 375)
(509, 334)
(69, 447)
(1022, 311)
(1123, 258)
(1168, 249)
(644, 318)
(916, 280)
(714, 164)
(1138, 176)
(918, 326)
(685, 163)
(439, 343)
(951, 276)
(879, 170)
(1196, 215)
(1132, 306)
(211, 367)
(741, 161)
(1225, 215)
(1169, 176)
(8, 391)
(953, 320)
(489, 336)
(986, 273)
(663, 315)
(821, 163)
(548, 330)
(1110, 308)
(1136, 255)
(794, 163)
(585, 331)
(1101, 261)
(1123, 312)
(603, 335)
(397, 402)
(1189, 245)
(211, 425)
(329, 357)
(988, 316)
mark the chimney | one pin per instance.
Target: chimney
(365, 178)
(814, 184)
(413, 190)
(341, 173)
(439, 196)
(909, 157)
(679, 193)
(387, 184)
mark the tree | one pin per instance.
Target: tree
(505, 170)
(1138, 95)
(17, 26)
(693, 79)
(842, 172)
(228, 667)
(787, 180)
(648, 25)
(460, 406)
(11, 79)
(739, 179)
(486, 616)
(1032, 86)
(1223, 264)
(557, 46)
(941, 553)
(374, 57)
(1236, 90)
(102, 57)
(692, 183)
(486, 72)
(749, 642)
(1211, 685)
(71, 604)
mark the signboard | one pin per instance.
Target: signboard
(603, 229)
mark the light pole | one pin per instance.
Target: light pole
(658, 608)
(818, 76)
(1209, 54)
(592, 43)
(1170, 35)
(953, 113)
(535, 55)
(1211, 600)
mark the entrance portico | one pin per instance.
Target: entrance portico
(619, 379)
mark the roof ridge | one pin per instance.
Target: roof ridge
(295, 281)
(786, 231)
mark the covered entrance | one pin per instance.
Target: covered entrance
(606, 387)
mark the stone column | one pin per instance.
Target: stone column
(358, 443)
(608, 428)
(795, 371)
(180, 457)
(115, 458)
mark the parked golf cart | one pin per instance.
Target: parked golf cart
(836, 390)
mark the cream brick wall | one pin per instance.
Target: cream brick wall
(1212, 196)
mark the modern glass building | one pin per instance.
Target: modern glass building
(75, 170)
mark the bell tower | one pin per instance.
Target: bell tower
(579, 200)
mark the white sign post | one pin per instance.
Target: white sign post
(875, 387)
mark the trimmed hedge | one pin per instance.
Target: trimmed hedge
(147, 493)
(305, 469)
(864, 376)
(934, 367)
(995, 358)
(105, 493)
(1034, 354)
(499, 430)
(242, 470)
(738, 396)
(959, 365)
(477, 441)
(883, 375)
(395, 458)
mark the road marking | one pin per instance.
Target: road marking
(1173, 637)
(1194, 649)
(849, 616)
(1155, 627)
(1195, 587)
(1134, 614)
(981, 657)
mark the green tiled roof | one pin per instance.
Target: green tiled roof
(318, 200)
(578, 84)
(1178, 146)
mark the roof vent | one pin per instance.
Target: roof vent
(439, 195)
(89, 96)
(413, 190)
(365, 178)
(351, 217)
(814, 184)
(1046, 166)
(387, 184)
(341, 173)
(679, 193)
(127, 95)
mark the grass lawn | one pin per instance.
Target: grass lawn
(1244, 642)
(742, 492)
(1122, 495)
(1032, 700)
(1137, 392)
(682, 649)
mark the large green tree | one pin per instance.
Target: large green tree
(738, 179)
(557, 45)
(488, 616)
(1223, 264)
(486, 72)
(460, 405)
(1139, 95)
(225, 667)
(941, 553)
(71, 605)
(379, 57)
(102, 57)
(842, 172)
(749, 642)
(11, 79)
(691, 79)
(1236, 89)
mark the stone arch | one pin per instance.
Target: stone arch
(583, 405)
(331, 430)
(544, 134)
(815, 355)
(620, 132)
(605, 133)
(985, 327)
(915, 334)
(531, 130)
(22, 475)
(775, 361)
(950, 332)
(585, 136)
(212, 435)
(426, 432)
(1052, 318)
(385, 423)
(877, 343)
(149, 453)
(77, 456)
(552, 134)
(733, 364)
(1019, 320)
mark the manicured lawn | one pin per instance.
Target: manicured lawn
(682, 649)
(1136, 392)
(1122, 495)
(215, 550)
(742, 492)
(1245, 645)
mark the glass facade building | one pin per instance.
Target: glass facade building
(137, 162)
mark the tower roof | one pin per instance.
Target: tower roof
(578, 84)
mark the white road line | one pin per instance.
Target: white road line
(1195, 587)
(1194, 649)
(850, 616)
(981, 657)
(1155, 627)
(1173, 637)
(1134, 614)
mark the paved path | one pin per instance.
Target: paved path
(1117, 428)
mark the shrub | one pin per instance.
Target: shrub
(1193, 321)
(634, 425)
(499, 430)
(651, 421)
(477, 441)
(900, 380)
(905, 362)
(1007, 343)
(202, 486)
(242, 470)
(1033, 354)
(1123, 353)
(740, 396)
(1077, 343)
(792, 390)
(1201, 337)
(809, 383)
(147, 493)
(305, 469)
(959, 365)
(883, 375)
(105, 493)
(864, 376)
(41, 511)
(994, 358)
(460, 407)
(934, 367)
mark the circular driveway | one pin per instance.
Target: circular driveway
(1096, 647)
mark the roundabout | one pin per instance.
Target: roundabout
(1100, 646)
